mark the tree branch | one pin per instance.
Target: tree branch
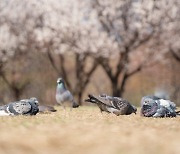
(104, 62)
(174, 54)
(136, 70)
(143, 41)
(52, 62)
(121, 86)
(88, 74)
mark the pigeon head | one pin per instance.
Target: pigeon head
(148, 107)
(60, 81)
(147, 101)
(144, 100)
(34, 100)
(134, 109)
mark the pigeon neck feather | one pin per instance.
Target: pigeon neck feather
(61, 87)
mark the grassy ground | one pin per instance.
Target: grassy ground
(87, 131)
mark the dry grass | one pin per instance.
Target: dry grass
(87, 131)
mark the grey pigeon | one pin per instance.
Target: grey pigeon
(115, 105)
(152, 106)
(63, 95)
(22, 107)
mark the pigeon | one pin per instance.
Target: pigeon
(63, 95)
(153, 106)
(22, 107)
(115, 105)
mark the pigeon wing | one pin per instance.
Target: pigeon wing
(21, 107)
(170, 106)
(101, 102)
(116, 102)
(121, 103)
(106, 101)
(65, 96)
(161, 112)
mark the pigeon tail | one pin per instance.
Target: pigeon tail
(93, 99)
(178, 113)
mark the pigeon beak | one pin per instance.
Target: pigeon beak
(145, 103)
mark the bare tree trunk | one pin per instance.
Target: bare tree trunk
(17, 93)
(80, 98)
(121, 72)
(115, 90)
(82, 75)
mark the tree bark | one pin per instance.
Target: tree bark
(115, 89)
(82, 76)
(17, 93)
